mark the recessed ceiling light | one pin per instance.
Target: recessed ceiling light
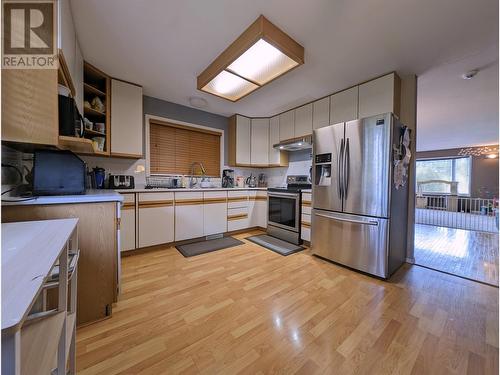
(492, 156)
(261, 54)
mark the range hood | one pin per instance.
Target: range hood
(295, 144)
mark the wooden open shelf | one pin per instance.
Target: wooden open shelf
(78, 145)
(94, 133)
(91, 90)
(92, 112)
(95, 84)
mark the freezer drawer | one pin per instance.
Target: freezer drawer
(355, 241)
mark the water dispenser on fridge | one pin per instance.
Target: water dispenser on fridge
(323, 169)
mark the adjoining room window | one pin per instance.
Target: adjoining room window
(173, 148)
(447, 169)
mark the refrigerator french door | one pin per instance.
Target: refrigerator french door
(352, 171)
(357, 156)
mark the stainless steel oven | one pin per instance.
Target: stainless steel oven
(283, 219)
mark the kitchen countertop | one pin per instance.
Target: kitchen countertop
(90, 196)
(143, 190)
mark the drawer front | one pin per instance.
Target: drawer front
(237, 211)
(236, 199)
(306, 199)
(305, 233)
(305, 227)
(188, 198)
(128, 197)
(237, 193)
(306, 219)
(306, 210)
(237, 218)
(155, 200)
(356, 241)
(237, 223)
(213, 197)
(259, 196)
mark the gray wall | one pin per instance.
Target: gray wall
(484, 178)
(158, 107)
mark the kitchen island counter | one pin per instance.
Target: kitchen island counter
(90, 196)
(99, 214)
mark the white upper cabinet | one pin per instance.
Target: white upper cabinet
(344, 106)
(287, 125)
(243, 133)
(303, 120)
(126, 119)
(321, 113)
(379, 96)
(66, 37)
(259, 143)
(274, 138)
(67, 42)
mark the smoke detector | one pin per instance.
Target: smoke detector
(470, 74)
(197, 102)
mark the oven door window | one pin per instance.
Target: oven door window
(282, 211)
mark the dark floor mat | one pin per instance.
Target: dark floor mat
(202, 247)
(275, 244)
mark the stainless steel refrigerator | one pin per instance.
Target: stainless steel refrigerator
(359, 218)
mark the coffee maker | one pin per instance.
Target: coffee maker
(262, 180)
(228, 178)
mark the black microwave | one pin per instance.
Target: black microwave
(58, 172)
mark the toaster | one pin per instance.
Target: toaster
(121, 181)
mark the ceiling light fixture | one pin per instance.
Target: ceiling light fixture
(470, 74)
(261, 54)
(490, 152)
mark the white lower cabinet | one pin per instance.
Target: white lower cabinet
(237, 210)
(305, 220)
(156, 218)
(214, 212)
(257, 207)
(189, 221)
(127, 223)
(305, 227)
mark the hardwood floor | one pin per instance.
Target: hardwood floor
(251, 311)
(460, 252)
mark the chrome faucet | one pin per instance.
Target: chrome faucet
(203, 173)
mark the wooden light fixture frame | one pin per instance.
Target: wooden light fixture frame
(262, 28)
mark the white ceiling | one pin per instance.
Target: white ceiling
(164, 45)
(453, 112)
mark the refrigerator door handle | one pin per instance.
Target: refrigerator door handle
(340, 169)
(365, 222)
(347, 166)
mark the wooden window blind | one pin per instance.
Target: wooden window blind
(173, 148)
